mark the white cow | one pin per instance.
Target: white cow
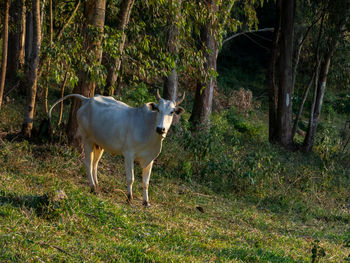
(136, 133)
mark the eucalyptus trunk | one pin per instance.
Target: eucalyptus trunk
(113, 65)
(22, 35)
(202, 106)
(4, 50)
(95, 16)
(171, 81)
(273, 89)
(301, 106)
(51, 22)
(285, 92)
(28, 37)
(16, 40)
(318, 98)
(32, 71)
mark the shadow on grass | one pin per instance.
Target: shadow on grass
(42, 205)
(286, 205)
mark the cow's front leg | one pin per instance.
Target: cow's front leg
(146, 173)
(129, 168)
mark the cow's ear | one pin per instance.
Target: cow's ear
(179, 110)
(152, 106)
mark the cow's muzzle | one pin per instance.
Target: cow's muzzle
(160, 130)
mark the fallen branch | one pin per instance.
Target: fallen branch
(121, 191)
(56, 247)
(13, 88)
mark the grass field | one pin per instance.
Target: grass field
(294, 219)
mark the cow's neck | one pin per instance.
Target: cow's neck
(153, 144)
(151, 118)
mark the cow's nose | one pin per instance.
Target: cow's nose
(160, 130)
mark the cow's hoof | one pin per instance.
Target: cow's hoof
(130, 198)
(146, 204)
(95, 190)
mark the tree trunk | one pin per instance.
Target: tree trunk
(51, 22)
(46, 91)
(95, 17)
(202, 106)
(284, 112)
(171, 81)
(300, 110)
(42, 14)
(301, 41)
(4, 50)
(32, 72)
(22, 35)
(62, 95)
(273, 89)
(16, 40)
(296, 58)
(28, 37)
(113, 65)
(318, 97)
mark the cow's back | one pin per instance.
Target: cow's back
(102, 121)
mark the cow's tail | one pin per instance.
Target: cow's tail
(81, 97)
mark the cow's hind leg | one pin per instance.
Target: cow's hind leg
(129, 168)
(146, 173)
(88, 159)
(98, 151)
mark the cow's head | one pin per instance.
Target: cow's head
(165, 112)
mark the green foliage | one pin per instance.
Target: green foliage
(214, 157)
(337, 103)
(138, 95)
(234, 156)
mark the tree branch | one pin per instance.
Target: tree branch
(268, 29)
(257, 43)
(68, 21)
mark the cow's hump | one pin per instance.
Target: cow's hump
(109, 101)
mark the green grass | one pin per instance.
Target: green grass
(297, 203)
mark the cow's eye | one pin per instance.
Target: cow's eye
(172, 112)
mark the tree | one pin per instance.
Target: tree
(202, 106)
(171, 81)
(93, 32)
(32, 71)
(215, 20)
(4, 50)
(113, 66)
(16, 38)
(28, 37)
(281, 117)
(338, 18)
(273, 88)
(285, 92)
